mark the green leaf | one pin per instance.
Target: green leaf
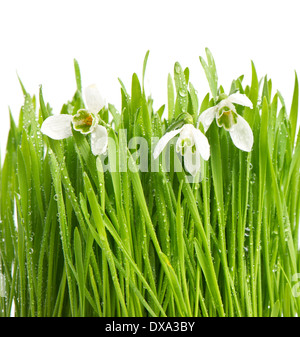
(209, 276)
(181, 103)
(77, 76)
(294, 112)
(276, 309)
(186, 74)
(144, 68)
(79, 268)
(160, 111)
(99, 223)
(193, 98)
(171, 105)
(253, 94)
(116, 116)
(65, 237)
(210, 72)
(136, 94)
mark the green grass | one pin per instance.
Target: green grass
(76, 240)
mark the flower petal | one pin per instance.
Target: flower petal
(241, 99)
(93, 99)
(191, 161)
(164, 141)
(57, 127)
(207, 117)
(242, 135)
(99, 140)
(201, 142)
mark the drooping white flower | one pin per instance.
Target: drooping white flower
(226, 116)
(85, 121)
(191, 144)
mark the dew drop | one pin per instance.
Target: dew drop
(182, 92)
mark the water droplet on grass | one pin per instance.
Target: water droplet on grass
(182, 92)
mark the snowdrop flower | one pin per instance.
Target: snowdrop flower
(226, 116)
(191, 144)
(85, 121)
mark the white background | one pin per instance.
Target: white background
(39, 40)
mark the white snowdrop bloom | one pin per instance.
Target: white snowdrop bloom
(191, 144)
(85, 121)
(226, 116)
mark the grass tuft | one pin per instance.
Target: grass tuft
(77, 239)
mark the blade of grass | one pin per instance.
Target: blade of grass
(103, 240)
